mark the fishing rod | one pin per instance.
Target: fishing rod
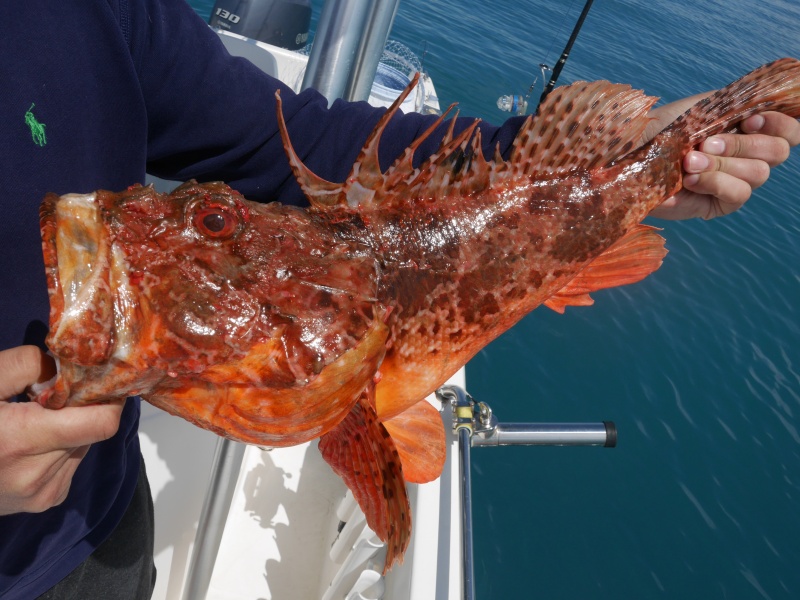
(518, 104)
(565, 54)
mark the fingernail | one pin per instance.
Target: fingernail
(753, 124)
(690, 180)
(696, 162)
(714, 145)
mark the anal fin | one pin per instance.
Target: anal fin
(630, 259)
(361, 451)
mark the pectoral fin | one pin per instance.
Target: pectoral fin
(418, 435)
(361, 451)
(632, 258)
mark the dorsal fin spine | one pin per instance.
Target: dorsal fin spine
(432, 179)
(321, 193)
(366, 181)
(403, 168)
(476, 176)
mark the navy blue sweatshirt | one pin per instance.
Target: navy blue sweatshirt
(95, 93)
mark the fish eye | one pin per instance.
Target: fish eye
(217, 221)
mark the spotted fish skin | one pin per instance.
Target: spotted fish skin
(274, 325)
(471, 246)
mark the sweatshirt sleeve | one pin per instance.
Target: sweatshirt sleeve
(212, 116)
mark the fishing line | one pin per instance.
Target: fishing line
(556, 36)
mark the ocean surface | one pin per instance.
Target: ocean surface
(698, 365)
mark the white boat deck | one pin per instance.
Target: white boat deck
(282, 538)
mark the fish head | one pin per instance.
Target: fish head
(139, 277)
(200, 299)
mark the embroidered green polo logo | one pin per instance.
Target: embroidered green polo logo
(37, 129)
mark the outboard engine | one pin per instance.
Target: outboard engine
(283, 23)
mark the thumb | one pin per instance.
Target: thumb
(21, 367)
(72, 426)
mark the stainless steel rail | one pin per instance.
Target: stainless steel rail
(227, 462)
(335, 47)
(549, 434)
(465, 474)
(347, 48)
(376, 33)
(475, 425)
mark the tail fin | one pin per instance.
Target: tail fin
(772, 87)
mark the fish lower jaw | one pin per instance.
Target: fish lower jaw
(82, 325)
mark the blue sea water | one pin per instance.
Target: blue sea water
(698, 365)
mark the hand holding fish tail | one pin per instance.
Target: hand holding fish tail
(40, 449)
(725, 169)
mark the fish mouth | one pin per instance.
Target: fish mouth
(78, 255)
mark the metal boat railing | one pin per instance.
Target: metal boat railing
(476, 426)
(348, 43)
(227, 463)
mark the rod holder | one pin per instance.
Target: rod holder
(548, 434)
(486, 430)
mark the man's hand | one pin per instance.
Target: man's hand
(722, 174)
(40, 449)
